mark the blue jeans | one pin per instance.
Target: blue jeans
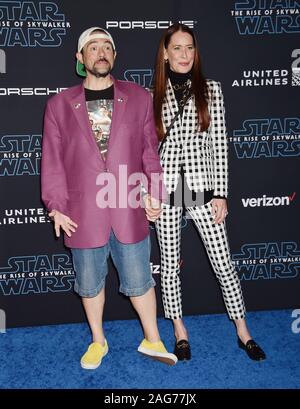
(132, 262)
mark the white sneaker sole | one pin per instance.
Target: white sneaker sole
(92, 366)
(165, 357)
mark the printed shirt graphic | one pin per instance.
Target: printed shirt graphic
(100, 109)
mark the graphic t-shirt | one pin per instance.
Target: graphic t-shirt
(100, 108)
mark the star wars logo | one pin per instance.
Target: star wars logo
(37, 274)
(31, 24)
(20, 155)
(257, 17)
(143, 77)
(268, 261)
(267, 138)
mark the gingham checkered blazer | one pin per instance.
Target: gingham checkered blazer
(203, 155)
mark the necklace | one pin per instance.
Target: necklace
(186, 94)
(180, 86)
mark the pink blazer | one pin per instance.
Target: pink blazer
(71, 163)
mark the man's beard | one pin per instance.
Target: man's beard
(98, 74)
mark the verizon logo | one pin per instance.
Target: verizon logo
(266, 201)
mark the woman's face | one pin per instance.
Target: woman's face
(180, 52)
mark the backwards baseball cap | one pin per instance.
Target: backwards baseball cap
(87, 36)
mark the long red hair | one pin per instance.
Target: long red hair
(199, 86)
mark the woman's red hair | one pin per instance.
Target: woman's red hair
(199, 86)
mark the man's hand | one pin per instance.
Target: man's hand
(64, 222)
(219, 210)
(152, 207)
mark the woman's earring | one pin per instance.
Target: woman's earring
(166, 60)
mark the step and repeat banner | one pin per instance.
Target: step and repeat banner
(253, 48)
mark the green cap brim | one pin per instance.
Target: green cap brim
(80, 69)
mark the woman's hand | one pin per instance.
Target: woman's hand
(219, 210)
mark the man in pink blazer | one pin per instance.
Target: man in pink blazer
(99, 145)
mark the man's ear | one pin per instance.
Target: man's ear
(79, 57)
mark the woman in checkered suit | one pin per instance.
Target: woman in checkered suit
(193, 151)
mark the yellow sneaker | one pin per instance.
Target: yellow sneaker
(93, 356)
(157, 350)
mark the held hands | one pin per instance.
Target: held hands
(64, 222)
(152, 207)
(219, 210)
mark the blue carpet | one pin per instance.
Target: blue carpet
(48, 357)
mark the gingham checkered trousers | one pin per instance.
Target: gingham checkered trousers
(203, 156)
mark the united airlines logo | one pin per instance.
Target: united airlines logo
(32, 215)
(267, 138)
(262, 17)
(289, 75)
(20, 155)
(31, 24)
(259, 78)
(268, 261)
(37, 274)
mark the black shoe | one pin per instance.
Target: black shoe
(182, 350)
(252, 349)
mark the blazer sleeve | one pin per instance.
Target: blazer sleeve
(53, 177)
(220, 143)
(151, 161)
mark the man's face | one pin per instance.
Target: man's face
(98, 57)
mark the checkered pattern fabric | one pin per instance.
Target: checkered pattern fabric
(203, 155)
(214, 237)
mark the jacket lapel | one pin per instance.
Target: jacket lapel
(78, 106)
(120, 102)
(169, 110)
(170, 102)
